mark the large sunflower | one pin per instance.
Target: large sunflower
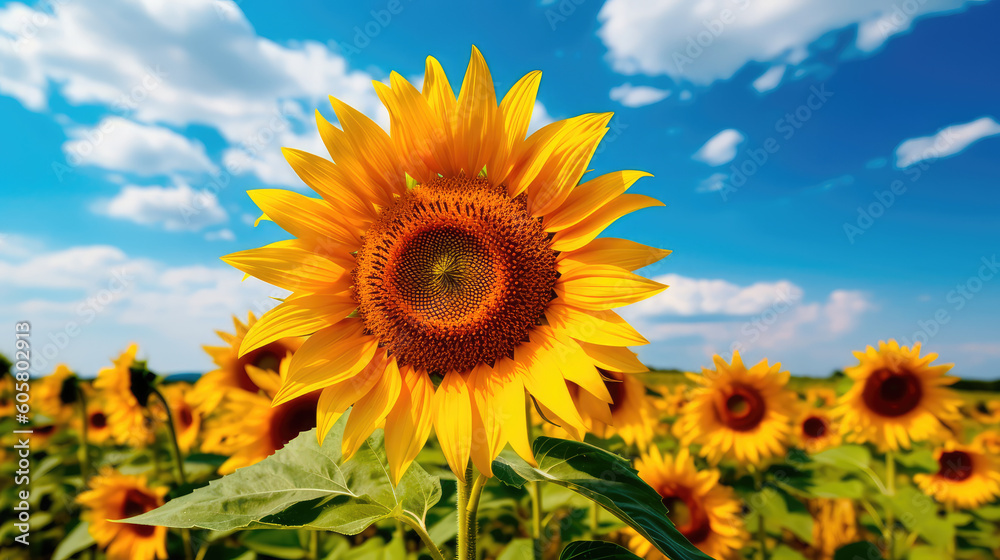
(129, 420)
(453, 248)
(707, 513)
(117, 496)
(738, 413)
(815, 430)
(897, 397)
(968, 476)
(57, 395)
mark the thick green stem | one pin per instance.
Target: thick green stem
(534, 490)
(313, 552)
(432, 548)
(890, 515)
(179, 462)
(467, 522)
(84, 446)
(758, 476)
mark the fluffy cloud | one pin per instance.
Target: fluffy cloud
(714, 182)
(637, 96)
(769, 79)
(77, 268)
(689, 297)
(711, 40)
(947, 142)
(721, 148)
(174, 208)
(224, 234)
(119, 144)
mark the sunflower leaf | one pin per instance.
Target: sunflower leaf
(305, 485)
(596, 550)
(604, 478)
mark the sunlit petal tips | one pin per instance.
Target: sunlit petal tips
(453, 252)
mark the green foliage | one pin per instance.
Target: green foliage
(595, 550)
(604, 478)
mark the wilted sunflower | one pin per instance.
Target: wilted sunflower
(58, 394)
(235, 371)
(706, 512)
(453, 247)
(897, 397)
(737, 412)
(631, 414)
(128, 418)
(187, 420)
(835, 524)
(118, 496)
(816, 430)
(247, 428)
(968, 476)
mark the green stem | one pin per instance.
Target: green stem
(890, 515)
(758, 476)
(534, 490)
(595, 520)
(84, 446)
(313, 552)
(179, 462)
(432, 548)
(467, 526)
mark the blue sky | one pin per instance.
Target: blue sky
(829, 169)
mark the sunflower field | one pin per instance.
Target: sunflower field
(447, 377)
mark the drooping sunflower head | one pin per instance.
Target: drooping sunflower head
(248, 372)
(816, 430)
(117, 496)
(706, 512)
(129, 419)
(454, 247)
(968, 476)
(738, 413)
(58, 394)
(897, 397)
(186, 417)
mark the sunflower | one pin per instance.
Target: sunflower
(239, 372)
(631, 413)
(58, 394)
(98, 430)
(988, 440)
(815, 430)
(738, 413)
(248, 429)
(187, 419)
(128, 418)
(452, 248)
(707, 513)
(835, 524)
(897, 397)
(968, 476)
(821, 396)
(672, 398)
(986, 411)
(117, 496)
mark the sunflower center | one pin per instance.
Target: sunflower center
(814, 427)
(184, 416)
(135, 503)
(741, 408)
(292, 418)
(98, 420)
(686, 513)
(452, 274)
(890, 393)
(955, 466)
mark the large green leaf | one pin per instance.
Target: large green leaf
(596, 550)
(305, 485)
(77, 540)
(858, 551)
(604, 478)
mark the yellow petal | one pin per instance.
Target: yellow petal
(371, 409)
(602, 287)
(599, 327)
(488, 416)
(574, 364)
(513, 399)
(616, 252)
(476, 130)
(453, 422)
(330, 356)
(437, 90)
(335, 399)
(586, 230)
(292, 268)
(416, 131)
(515, 110)
(298, 315)
(614, 358)
(589, 197)
(330, 181)
(305, 217)
(536, 368)
(409, 422)
(373, 153)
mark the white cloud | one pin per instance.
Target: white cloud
(721, 148)
(715, 182)
(947, 142)
(697, 296)
(224, 234)
(539, 117)
(769, 79)
(637, 96)
(711, 40)
(175, 208)
(123, 145)
(77, 268)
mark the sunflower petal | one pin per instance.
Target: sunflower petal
(514, 406)
(297, 316)
(598, 327)
(371, 409)
(408, 424)
(487, 418)
(602, 287)
(589, 197)
(330, 356)
(611, 251)
(515, 110)
(417, 132)
(373, 150)
(614, 358)
(292, 268)
(336, 398)
(575, 365)
(453, 422)
(536, 368)
(586, 230)
(476, 129)
(329, 181)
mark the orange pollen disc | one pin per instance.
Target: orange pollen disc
(453, 274)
